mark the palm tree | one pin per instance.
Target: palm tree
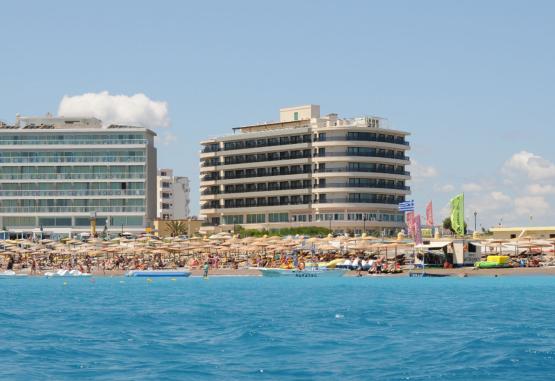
(176, 228)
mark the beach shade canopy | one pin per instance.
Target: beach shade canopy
(327, 247)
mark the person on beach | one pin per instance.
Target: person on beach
(205, 268)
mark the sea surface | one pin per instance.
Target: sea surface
(233, 328)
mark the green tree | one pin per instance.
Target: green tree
(447, 225)
(177, 228)
(305, 230)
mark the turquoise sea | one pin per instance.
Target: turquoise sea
(270, 328)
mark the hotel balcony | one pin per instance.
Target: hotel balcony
(100, 193)
(346, 171)
(17, 210)
(399, 141)
(86, 177)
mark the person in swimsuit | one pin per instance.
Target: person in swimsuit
(205, 268)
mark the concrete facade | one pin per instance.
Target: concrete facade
(173, 195)
(536, 232)
(306, 170)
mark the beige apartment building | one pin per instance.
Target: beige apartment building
(348, 175)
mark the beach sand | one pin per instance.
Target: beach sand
(457, 272)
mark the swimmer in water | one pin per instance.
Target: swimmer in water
(205, 268)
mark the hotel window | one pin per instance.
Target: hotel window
(233, 220)
(278, 217)
(256, 218)
(295, 115)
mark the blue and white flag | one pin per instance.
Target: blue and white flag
(406, 206)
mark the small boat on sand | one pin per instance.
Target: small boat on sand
(158, 273)
(309, 272)
(423, 274)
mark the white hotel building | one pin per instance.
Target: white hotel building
(57, 173)
(173, 195)
(305, 170)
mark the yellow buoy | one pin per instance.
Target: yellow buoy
(149, 280)
(172, 279)
(65, 283)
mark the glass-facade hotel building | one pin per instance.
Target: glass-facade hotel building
(57, 173)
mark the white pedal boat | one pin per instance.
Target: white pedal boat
(305, 273)
(65, 273)
(11, 274)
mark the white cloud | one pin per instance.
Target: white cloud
(446, 188)
(500, 196)
(472, 187)
(531, 206)
(539, 189)
(420, 171)
(136, 110)
(529, 164)
(490, 206)
(166, 138)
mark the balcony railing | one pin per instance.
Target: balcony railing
(71, 209)
(268, 203)
(255, 204)
(72, 142)
(362, 139)
(363, 170)
(267, 174)
(267, 189)
(211, 149)
(259, 160)
(91, 159)
(350, 185)
(347, 200)
(211, 178)
(250, 145)
(72, 176)
(72, 193)
(359, 154)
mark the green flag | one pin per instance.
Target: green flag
(457, 214)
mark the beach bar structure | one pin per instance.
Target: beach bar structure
(65, 175)
(348, 175)
(536, 232)
(462, 251)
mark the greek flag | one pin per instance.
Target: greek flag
(406, 206)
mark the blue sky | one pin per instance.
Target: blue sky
(473, 81)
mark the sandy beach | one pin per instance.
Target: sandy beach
(456, 272)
